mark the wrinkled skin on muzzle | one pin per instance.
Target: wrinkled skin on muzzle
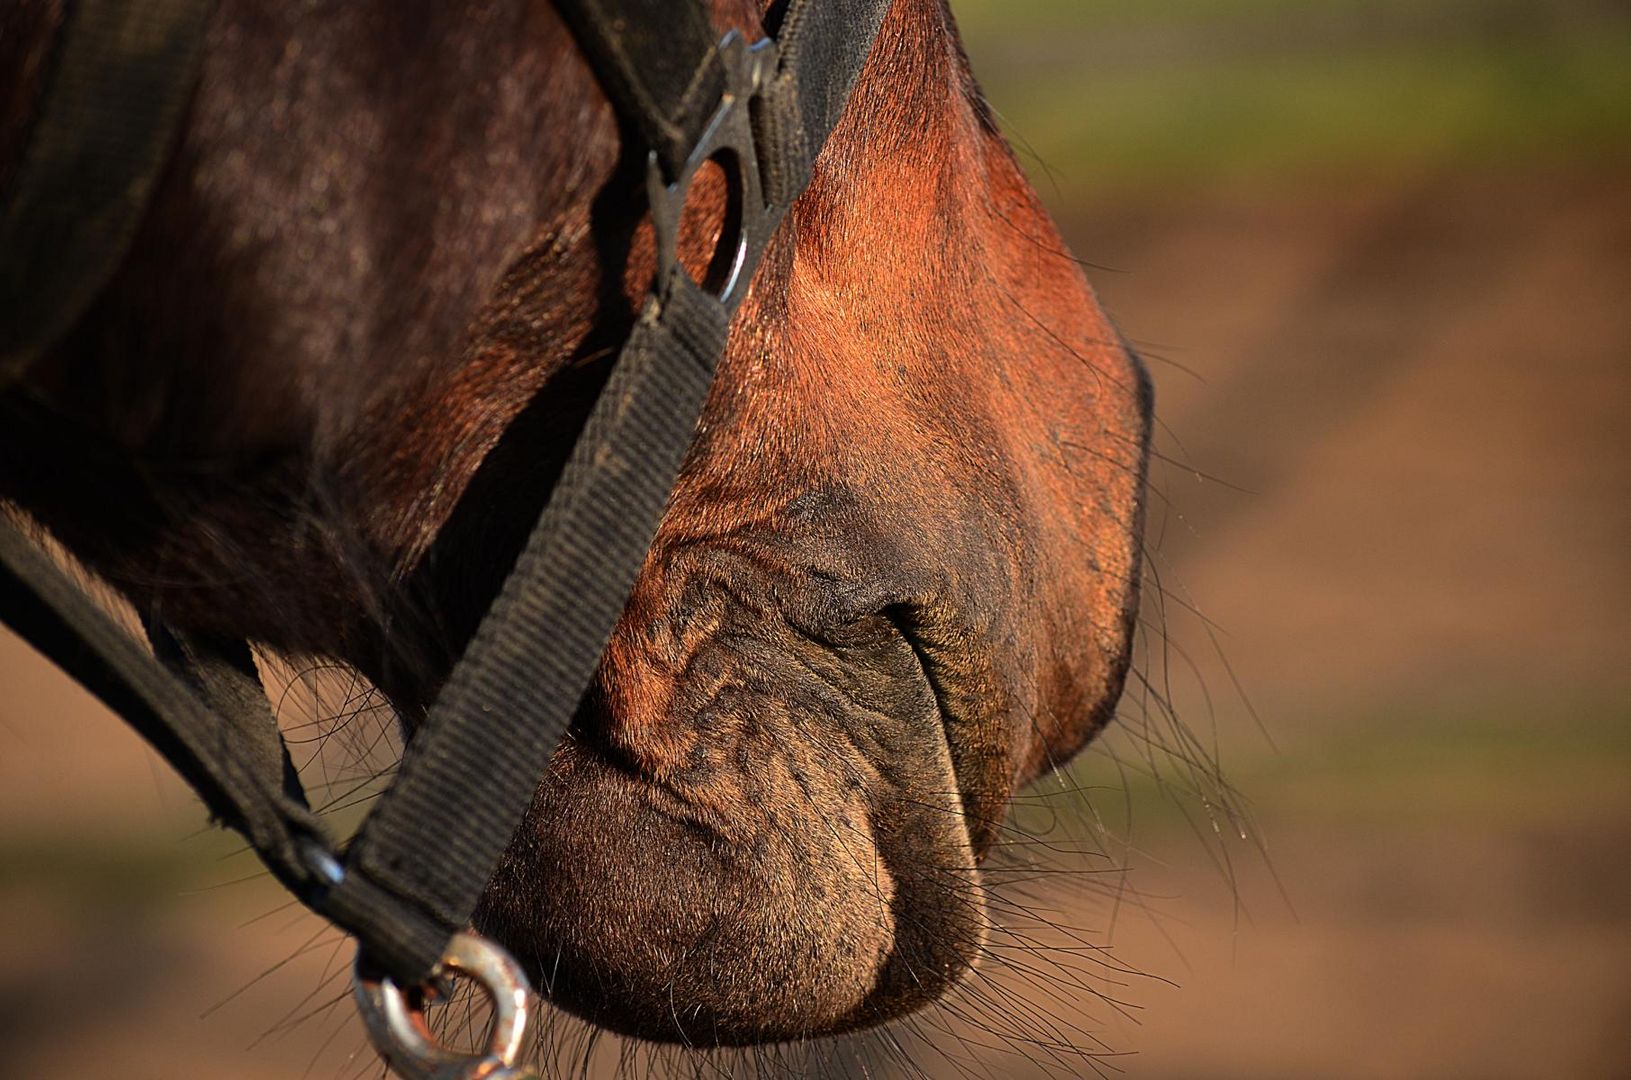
(757, 830)
(896, 581)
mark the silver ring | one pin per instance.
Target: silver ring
(399, 1032)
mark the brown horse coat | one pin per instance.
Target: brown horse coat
(325, 395)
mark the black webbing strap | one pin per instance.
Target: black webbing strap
(657, 63)
(239, 779)
(822, 48)
(222, 672)
(473, 767)
(108, 117)
(414, 872)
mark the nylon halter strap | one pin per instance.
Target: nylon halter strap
(411, 877)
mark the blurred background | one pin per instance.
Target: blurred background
(1368, 809)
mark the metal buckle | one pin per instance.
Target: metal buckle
(399, 1032)
(728, 138)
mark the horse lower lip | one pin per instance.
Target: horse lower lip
(794, 891)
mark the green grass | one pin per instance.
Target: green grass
(1231, 110)
(1499, 762)
(102, 870)
(982, 17)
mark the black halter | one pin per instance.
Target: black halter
(412, 875)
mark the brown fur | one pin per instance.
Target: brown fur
(896, 580)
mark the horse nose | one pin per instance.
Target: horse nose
(640, 917)
(785, 885)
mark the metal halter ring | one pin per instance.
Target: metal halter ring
(397, 1025)
(728, 140)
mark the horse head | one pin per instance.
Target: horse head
(363, 318)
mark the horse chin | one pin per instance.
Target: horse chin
(784, 861)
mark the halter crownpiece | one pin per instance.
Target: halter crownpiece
(407, 883)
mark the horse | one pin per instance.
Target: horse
(357, 329)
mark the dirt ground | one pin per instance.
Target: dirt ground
(1413, 397)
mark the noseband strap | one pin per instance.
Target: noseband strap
(414, 872)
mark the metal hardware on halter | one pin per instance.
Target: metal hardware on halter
(398, 1029)
(729, 140)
